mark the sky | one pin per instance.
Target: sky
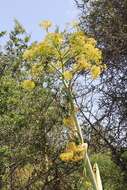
(31, 12)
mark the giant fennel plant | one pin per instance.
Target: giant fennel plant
(65, 55)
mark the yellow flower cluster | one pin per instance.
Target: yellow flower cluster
(87, 56)
(81, 64)
(60, 47)
(76, 42)
(74, 152)
(67, 156)
(28, 84)
(46, 24)
(67, 75)
(95, 71)
(41, 49)
(55, 38)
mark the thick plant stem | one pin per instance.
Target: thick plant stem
(87, 157)
(82, 141)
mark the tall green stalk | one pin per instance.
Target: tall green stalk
(80, 134)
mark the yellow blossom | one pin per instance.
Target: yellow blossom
(83, 63)
(74, 152)
(66, 156)
(31, 53)
(46, 24)
(92, 41)
(28, 84)
(55, 38)
(77, 41)
(41, 49)
(84, 48)
(95, 71)
(67, 75)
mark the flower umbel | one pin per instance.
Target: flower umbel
(28, 84)
(95, 71)
(74, 152)
(67, 156)
(46, 24)
(68, 75)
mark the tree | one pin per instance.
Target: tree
(26, 117)
(106, 21)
